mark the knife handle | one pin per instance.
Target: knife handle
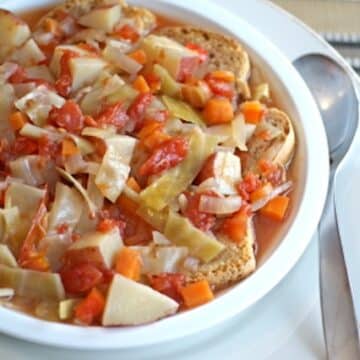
(340, 330)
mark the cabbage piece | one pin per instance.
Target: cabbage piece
(6, 256)
(164, 259)
(79, 188)
(85, 146)
(26, 199)
(182, 232)
(168, 85)
(38, 103)
(262, 92)
(34, 170)
(182, 110)
(7, 99)
(219, 205)
(88, 222)
(32, 284)
(36, 132)
(176, 180)
(66, 208)
(126, 94)
(115, 169)
(114, 54)
(156, 219)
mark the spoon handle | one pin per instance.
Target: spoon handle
(340, 330)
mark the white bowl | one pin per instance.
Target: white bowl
(312, 172)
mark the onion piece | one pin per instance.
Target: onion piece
(219, 206)
(7, 70)
(160, 239)
(285, 187)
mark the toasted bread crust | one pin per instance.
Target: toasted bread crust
(235, 262)
(225, 53)
(279, 150)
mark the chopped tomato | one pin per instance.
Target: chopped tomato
(203, 54)
(220, 87)
(62, 228)
(49, 148)
(235, 227)
(68, 117)
(168, 284)
(80, 278)
(201, 220)
(127, 32)
(19, 76)
(25, 146)
(90, 308)
(63, 83)
(138, 108)
(249, 184)
(165, 156)
(273, 173)
(113, 115)
(29, 256)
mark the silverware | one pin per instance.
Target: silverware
(333, 90)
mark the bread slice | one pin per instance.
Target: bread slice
(236, 262)
(225, 53)
(278, 150)
(144, 18)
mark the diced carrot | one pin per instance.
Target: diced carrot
(197, 293)
(226, 76)
(133, 184)
(261, 192)
(148, 128)
(17, 120)
(128, 263)
(253, 111)
(90, 308)
(126, 204)
(276, 208)
(139, 56)
(141, 85)
(127, 32)
(218, 111)
(235, 227)
(69, 148)
(153, 81)
(155, 139)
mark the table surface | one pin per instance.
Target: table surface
(285, 323)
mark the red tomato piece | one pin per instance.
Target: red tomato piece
(113, 115)
(80, 278)
(168, 284)
(138, 108)
(25, 146)
(249, 184)
(63, 83)
(167, 155)
(90, 308)
(127, 32)
(203, 54)
(68, 117)
(219, 87)
(19, 76)
(106, 225)
(201, 220)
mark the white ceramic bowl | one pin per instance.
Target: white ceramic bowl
(311, 187)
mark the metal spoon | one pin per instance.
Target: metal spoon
(335, 95)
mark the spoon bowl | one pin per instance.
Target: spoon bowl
(336, 98)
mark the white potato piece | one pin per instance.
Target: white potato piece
(104, 18)
(28, 54)
(14, 32)
(131, 303)
(40, 72)
(97, 246)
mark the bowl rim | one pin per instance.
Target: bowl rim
(271, 271)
